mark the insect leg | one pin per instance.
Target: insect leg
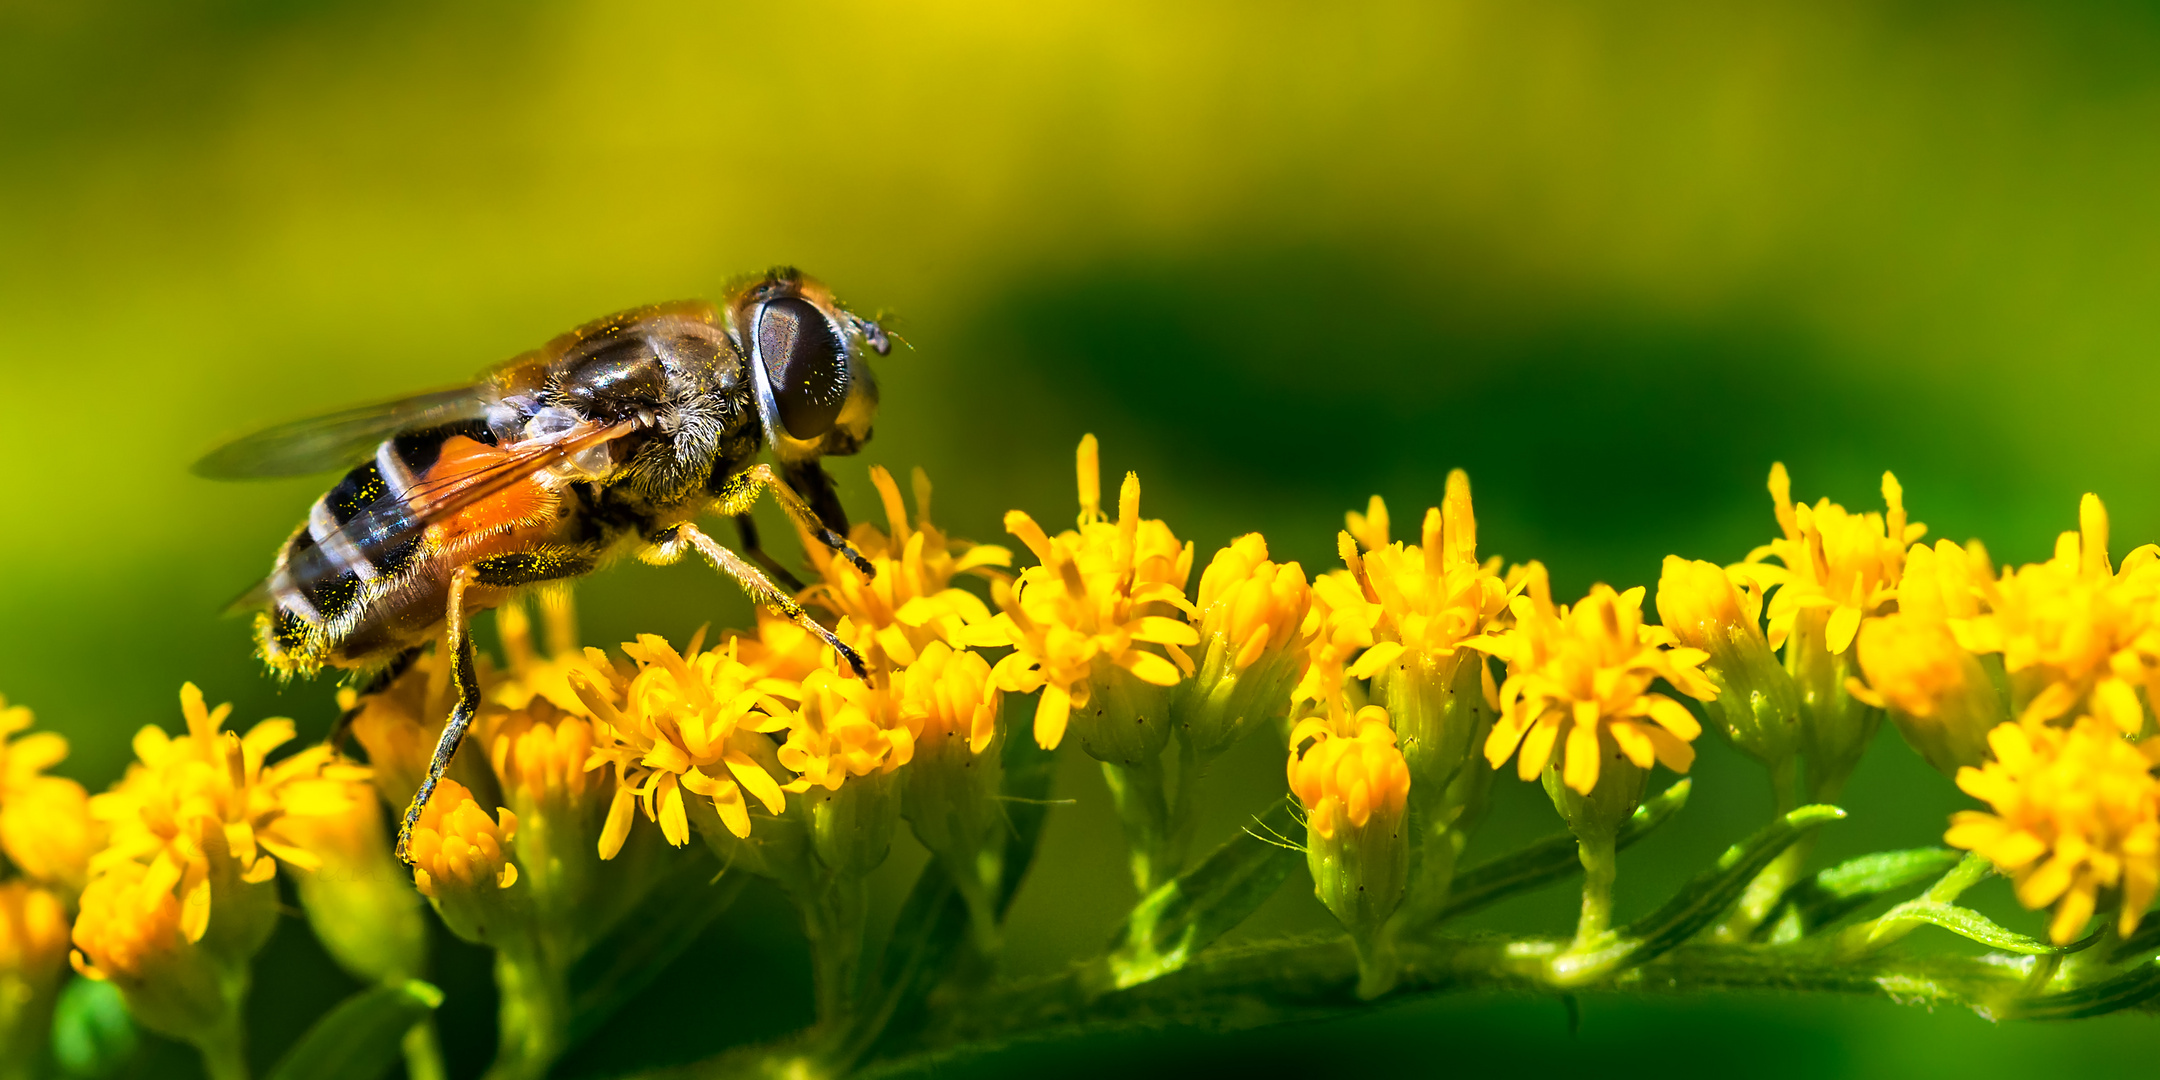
(746, 526)
(810, 480)
(760, 588)
(461, 715)
(742, 489)
(376, 684)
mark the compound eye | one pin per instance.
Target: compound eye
(806, 364)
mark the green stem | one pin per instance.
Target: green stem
(1601, 865)
(1316, 978)
(535, 1013)
(1763, 893)
(1184, 810)
(423, 1053)
(1785, 784)
(223, 1043)
(224, 1050)
(1137, 792)
(1439, 847)
(834, 920)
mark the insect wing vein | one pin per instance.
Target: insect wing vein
(336, 440)
(395, 517)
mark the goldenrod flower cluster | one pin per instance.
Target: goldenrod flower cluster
(181, 894)
(47, 835)
(1398, 684)
(2034, 688)
(912, 600)
(1102, 616)
(2076, 813)
(1834, 567)
(1578, 687)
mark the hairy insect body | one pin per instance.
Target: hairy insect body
(610, 440)
(383, 590)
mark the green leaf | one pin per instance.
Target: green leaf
(92, 1033)
(1705, 898)
(1695, 906)
(360, 1039)
(1172, 924)
(1967, 923)
(1845, 888)
(2146, 938)
(2134, 987)
(1552, 859)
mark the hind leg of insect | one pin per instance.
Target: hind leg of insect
(746, 528)
(467, 682)
(501, 571)
(669, 543)
(743, 489)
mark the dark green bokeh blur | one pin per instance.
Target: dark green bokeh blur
(1612, 259)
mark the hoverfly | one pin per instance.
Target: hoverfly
(609, 440)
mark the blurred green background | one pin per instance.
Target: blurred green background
(1612, 259)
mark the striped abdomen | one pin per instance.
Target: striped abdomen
(363, 577)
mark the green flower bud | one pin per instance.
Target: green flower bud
(1757, 706)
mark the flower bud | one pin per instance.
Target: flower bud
(1937, 693)
(33, 947)
(461, 862)
(1835, 568)
(844, 743)
(1355, 790)
(1251, 611)
(45, 826)
(539, 754)
(1756, 705)
(952, 784)
(128, 931)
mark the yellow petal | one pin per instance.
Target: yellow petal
(674, 819)
(195, 910)
(1838, 632)
(1674, 717)
(1583, 759)
(1634, 741)
(621, 810)
(759, 782)
(1051, 714)
(1150, 668)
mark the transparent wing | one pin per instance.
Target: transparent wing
(393, 520)
(337, 440)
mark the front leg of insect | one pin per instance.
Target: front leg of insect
(746, 529)
(671, 543)
(743, 489)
